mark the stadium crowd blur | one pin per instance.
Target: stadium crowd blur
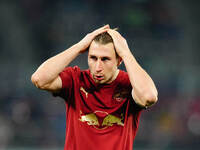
(162, 35)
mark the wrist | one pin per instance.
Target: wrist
(81, 47)
(77, 48)
(126, 54)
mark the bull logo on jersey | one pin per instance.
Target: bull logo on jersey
(101, 119)
(91, 119)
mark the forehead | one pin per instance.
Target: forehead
(102, 50)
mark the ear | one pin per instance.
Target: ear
(119, 61)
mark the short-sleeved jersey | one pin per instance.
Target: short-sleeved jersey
(98, 116)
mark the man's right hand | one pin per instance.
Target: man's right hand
(46, 77)
(86, 41)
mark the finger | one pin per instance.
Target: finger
(114, 33)
(107, 26)
(103, 28)
(100, 30)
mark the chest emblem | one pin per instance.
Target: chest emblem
(120, 95)
(101, 119)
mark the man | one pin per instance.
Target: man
(103, 103)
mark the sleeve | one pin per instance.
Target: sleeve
(69, 77)
(125, 80)
(137, 106)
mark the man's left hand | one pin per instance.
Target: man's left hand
(120, 43)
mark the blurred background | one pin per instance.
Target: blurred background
(162, 34)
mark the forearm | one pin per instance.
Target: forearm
(50, 69)
(144, 90)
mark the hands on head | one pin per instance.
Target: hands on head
(120, 43)
(86, 41)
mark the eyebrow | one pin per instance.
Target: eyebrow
(92, 56)
(100, 57)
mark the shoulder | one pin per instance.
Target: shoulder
(69, 75)
(123, 73)
(123, 77)
(122, 83)
(70, 72)
(71, 69)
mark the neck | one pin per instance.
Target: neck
(115, 76)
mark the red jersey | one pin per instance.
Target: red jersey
(98, 116)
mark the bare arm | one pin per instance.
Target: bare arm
(144, 91)
(46, 77)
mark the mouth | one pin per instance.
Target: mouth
(99, 77)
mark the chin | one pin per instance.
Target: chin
(100, 82)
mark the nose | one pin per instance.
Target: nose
(98, 66)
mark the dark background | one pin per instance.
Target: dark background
(163, 36)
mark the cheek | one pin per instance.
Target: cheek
(91, 65)
(110, 68)
(89, 62)
(111, 65)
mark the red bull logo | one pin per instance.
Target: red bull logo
(101, 120)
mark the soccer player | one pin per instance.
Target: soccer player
(103, 103)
